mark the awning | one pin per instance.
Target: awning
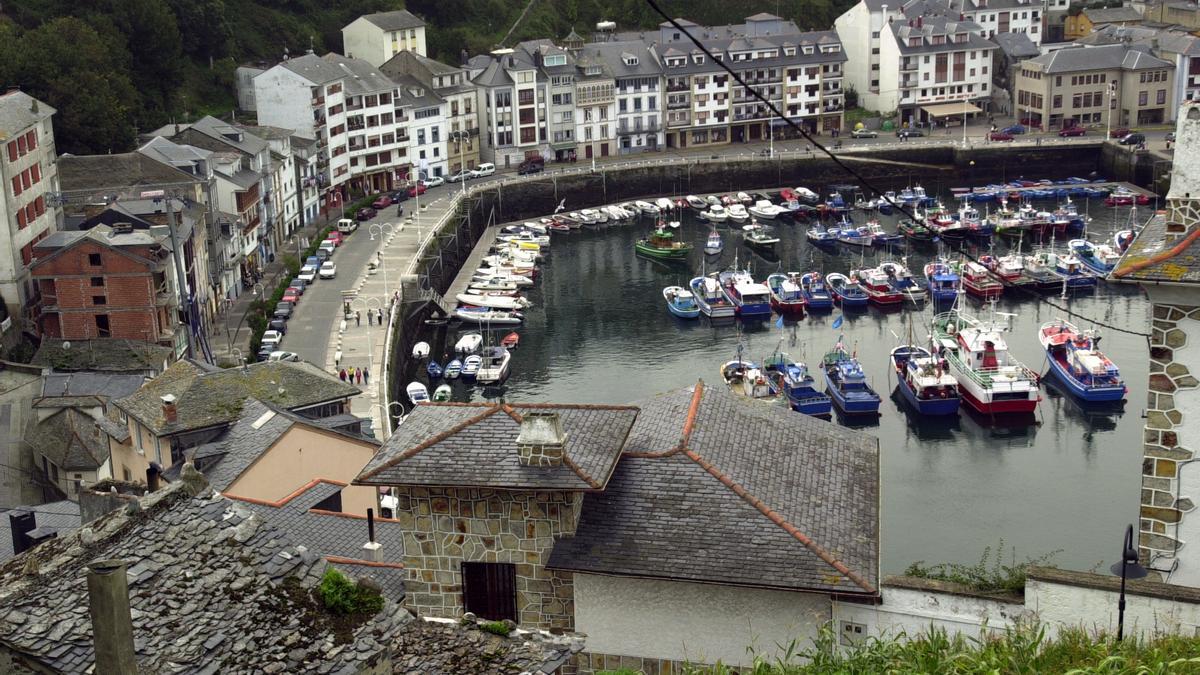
(951, 109)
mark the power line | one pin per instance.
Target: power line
(903, 208)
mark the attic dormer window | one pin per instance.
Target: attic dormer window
(789, 51)
(556, 60)
(808, 50)
(697, 58)
(593, 70)
(831, 49)
(630, 60)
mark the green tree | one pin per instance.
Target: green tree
(152, 39)
(203, 25)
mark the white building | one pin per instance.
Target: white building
(933, 68)
(513, 100)
(375, 38)
(427, 127)
(641, 99)
(308, 194)
(30, 179)
(595, 104)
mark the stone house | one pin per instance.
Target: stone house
(1165, 261)
(685, 528)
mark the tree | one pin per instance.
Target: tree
(203, 27)
(152, 39)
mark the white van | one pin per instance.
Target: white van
(485, 169)
(346, 226)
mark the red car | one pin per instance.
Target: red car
(1032, 122)
(290, 295)
(418, 189)
(1072, 131)
(1119, 132)
(382, 202)
(336, 237)
(1000, 136)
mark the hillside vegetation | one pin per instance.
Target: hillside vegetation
(113, 68)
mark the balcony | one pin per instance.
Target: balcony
(320, 100)
(833, 108)
(683, 86)
(679, 120)
(165, 295)
(909, 66)
(627, 129)
(676, 105)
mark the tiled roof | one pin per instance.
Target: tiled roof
(1073, 59)
(208, 398)
(61, 516)
(229, 134)
(101, 384)
(213, 588)
(1016, 45)
(1150, 258)
(112, 173)
(938, 25)
(19, 111)
(1122, 14)
(70, 439)
(715, 488)
(397, 20)
(361, 77)
(111, 355)
(474, 444)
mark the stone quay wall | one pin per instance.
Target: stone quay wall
(445, 527)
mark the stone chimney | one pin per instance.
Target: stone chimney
(1183, 198)
(169, 409)
(112, 624)
(541, 440)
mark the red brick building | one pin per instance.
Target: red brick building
(110, 281)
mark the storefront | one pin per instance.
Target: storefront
(948, 114)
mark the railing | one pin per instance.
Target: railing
(320, 100)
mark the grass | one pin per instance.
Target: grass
(496, 628)
(990, 574)
(340, 595)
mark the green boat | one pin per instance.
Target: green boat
(661, 244)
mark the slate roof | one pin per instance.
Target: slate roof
(715, 488)
(207, 592)
(223, 131)
(176, 155)
(474, 444)
(1151, 259)
(111, 355)
(208, 398)
(397, 20)
(936, 25)
(1123, 14)
(1103, 57)
(112, 173)
(1016, 45)
(314, 68)
(17, 113)
(360, 76)
(102, 385)
(70, 439)
(61, 517)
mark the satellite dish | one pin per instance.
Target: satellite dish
(66, 344)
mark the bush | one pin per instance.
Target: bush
(340, 595)
(989, 574)
(496, 627)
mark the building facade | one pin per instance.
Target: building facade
(459, 110)
(375, 38)
(511, 95)
(595, 103)
(931, 67)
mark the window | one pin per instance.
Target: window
(490, 590)
(1162, 96)
(102, 325)
(97, 282)
(1143, 97)
(99, 300)
(1057, 101)
(94, 259)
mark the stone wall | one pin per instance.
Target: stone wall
(1167, 494)
(445, 527)
(590, 663)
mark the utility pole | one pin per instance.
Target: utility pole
(180, 277)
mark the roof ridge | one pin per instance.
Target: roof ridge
(342, 560)
(343, 514)
(295, 493)
(511, 412)
(581, 473)
(689, 423)
(779, 520)
(431, 441)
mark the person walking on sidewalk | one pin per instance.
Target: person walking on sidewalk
(358, 376)
(342, 374)
(366, 376)
(380, 316)
(370, 318)
(357, 317)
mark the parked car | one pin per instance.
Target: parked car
(323, 255)
(336, 237)
(264, 352)
(434, 181)
(346, 226)
(365, 213)
(531, 165)
(283, 356)
(283, 310)
(464, 175)
(1133, 139)
(1119, 132)
(290, 296)
(308, 273)
(1000, 136)
(278, 324)
(1014, 130)
(485, 169)
(399, 196)
(909, 132)
(1073, 131)
(328, 270)
(418, 189)
(298, 284)
(864, 133)
(272, 337)
(312, 260)
(381, 202)
(327, 246)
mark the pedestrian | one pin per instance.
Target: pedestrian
(370, 318)
(358, 376)
(342, 374)
(380, 310)
(366, 376)
(357, 318)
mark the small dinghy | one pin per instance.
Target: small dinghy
(511, 340)
(468, 343)
(681, 302)
(493, 301)
(696, 202)
(442, 393)
(434, 370)
(420, 350)
(417, 392)
(471, 367)
(453, 370)
(714, 245)
(487, 315)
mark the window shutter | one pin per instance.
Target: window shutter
(12, 151)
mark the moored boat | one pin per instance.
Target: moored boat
(468, 343)
(646, 208)
(758, 235)
(511, 340)
(846, 292)
(744, 378)
(442, 393)
(924, 381)
(486, 315)
(942, 282)
(979, 282)
(453, 370)
(716, 213)
(681, 302)
(750, 298)
(1079, 364)
(493, 366)
(763, 208)
(420, 350)
(471, 367)
(417, 392)
(878, 286)
(990, 379)
(662, 244)
(711, 299)
(816, 293)
(793, 380)
(903, 281)
(696, 202)
(787, 297)
(846, 383)
(1100, 258)
(737, 213)
(714, 245)
(433, 369)
(493, 301)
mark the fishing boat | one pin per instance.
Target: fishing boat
(714, 245)
(420, 350)
(493, 367)
(662, 244)
(820, 236)
(1071, 270)
(433, 369)
(511, 340)
(453, 370)
(764, 209)
(881, 237)
(847, 385)
(846, 292)
(878, 286)
(1075, 359)
(646, 208)
(681, 302)
(468, 343)
(941, 282)
(1006, 268)
(711, 299)
(816, 293)
(902, 280)
(979, 282)
(417, 392)
(855, 236)
(793, 380)
(835, 203)
(990, 379)
(442, 393)
(916, 232)
(696, 202)
(486, 315)
(737, 213)
(1123, 196)
(758, 235)
(471, 367)
(744, 378)
(1100, 258)
(749, 298)
(924, 381)
(716, 213)
(493, 301)
(787, 296)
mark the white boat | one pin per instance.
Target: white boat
(628, 208)
(493, 301)
(763, 208)
(597, 215)
(486, 315)
(494, 366)
(581, 217)
(646, 208)
(806, 195)
(696, 202)
(745, 198)
(715, 214)
(738, 213)
(417, 392)
(471, 367)
(664, 204)
(614, 212)
(468, 343)
(501, 260)
(542, 240)
(489, 275)
(536, 228)
(519, 250)
(491, 286)
(714, 200)
(420, 350)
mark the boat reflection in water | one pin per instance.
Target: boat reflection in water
(926, 428)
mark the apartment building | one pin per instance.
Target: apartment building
(595, 101)
(461, 114)
(1090, 20)
(1171, 43)
(934, 69)
(511, 93)
(29, 178)
(426, 112)
(375, 38)
(284, 185)
(1090, 84)
(375, 119)
(557, 70)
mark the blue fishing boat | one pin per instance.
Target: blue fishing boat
(924, 381)
(1100, 258)
(750, 298)
(820, 236)
(816, 293)
(836, 203)
(942, 282)
(471, 367)
(1070, 268)
(707, 293)
(1074, 358)
(903, 281)
(793, 380)
(453, 369)
(845, 291)
(434, 370)
(681, 302)
(714, 245)
(847, 385)
(856, 236)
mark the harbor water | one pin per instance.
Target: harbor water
(1065, 480)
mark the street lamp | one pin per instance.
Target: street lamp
(965, 104)
(459, 137)
(1112, 91)
(1127, 568)
(254, 290)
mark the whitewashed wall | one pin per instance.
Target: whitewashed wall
(1059, 605)
(913, 611)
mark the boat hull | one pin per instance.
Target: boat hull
(851, 405)
(926, 406)
(660, 253)
(1091, 394)
(683, 313)
(997, 406)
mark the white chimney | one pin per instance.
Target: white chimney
(541, 439)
